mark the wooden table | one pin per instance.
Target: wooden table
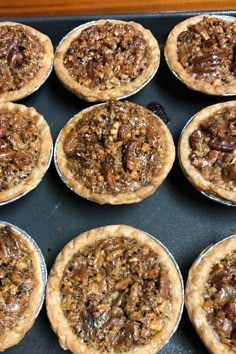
(77, 7)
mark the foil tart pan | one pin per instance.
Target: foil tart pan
(44, 73)
(210, 196)
(90, 237)
(41, 261)
(94, 197)
(117, 97)
(224, 17)
(198, 276)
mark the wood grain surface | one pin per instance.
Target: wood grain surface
(11, 8)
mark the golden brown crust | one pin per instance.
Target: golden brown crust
(171, 56)
(67, 338)
(122, 197)
(13, 336)
(44, 159)
(96, 95)
(197, 278)
(193, 174)
(43, 72)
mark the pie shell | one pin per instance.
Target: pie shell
(195, 177)
(43, 72)
(30, 182)
(67, 338)
(105, 198)
(171, 56)
(197, 277)
(14, 336)
(96, 95)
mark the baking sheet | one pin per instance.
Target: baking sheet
(183, 219)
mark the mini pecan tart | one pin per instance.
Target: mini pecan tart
(115, 152)
(25, 150)
(207, 151)
(23, 277)
(26, 60)
(201, 52)
(107, 59)
(114, 289)
(211, 296)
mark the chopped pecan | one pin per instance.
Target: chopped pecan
(22, 159)
(195, 138)
(225, 144)
(6, 155)
(198, 161)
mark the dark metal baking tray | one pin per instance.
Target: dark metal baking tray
(178, 215)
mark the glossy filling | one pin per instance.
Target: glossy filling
(116, 147)
(116, 294)
(220, 300)
(213, 147)
(17, 278)
(21, 56)
(206, 50)
(107, 56)
(19, 147)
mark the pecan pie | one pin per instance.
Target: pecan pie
(207, 151)
(211, 296)
(26, 59)
(22, 282)
(116, 152)
(201, 52)
(107, 59)
(25, 150)
(114, 290)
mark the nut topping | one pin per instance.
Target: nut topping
(126, 307)
(213, 147)
(16, 278)
(19, 148)
(220, 300)
(107, 56)
(206, 50)
(116, 147)
(21, 57)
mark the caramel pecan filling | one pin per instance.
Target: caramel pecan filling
(16, 278)
(115, 293)
(220, 300)
(21, 56)
(213, 147)
(107, 56)
(206, 50)
(116, 147)
(19, 147)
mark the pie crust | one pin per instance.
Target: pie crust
(195, 287)
(108, 75)
(210, 71)
(23, 278)
(20, 60)
(23, 163)
(67, 337)
(128, 167)
(213, 153)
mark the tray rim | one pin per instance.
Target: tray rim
(125, 16)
